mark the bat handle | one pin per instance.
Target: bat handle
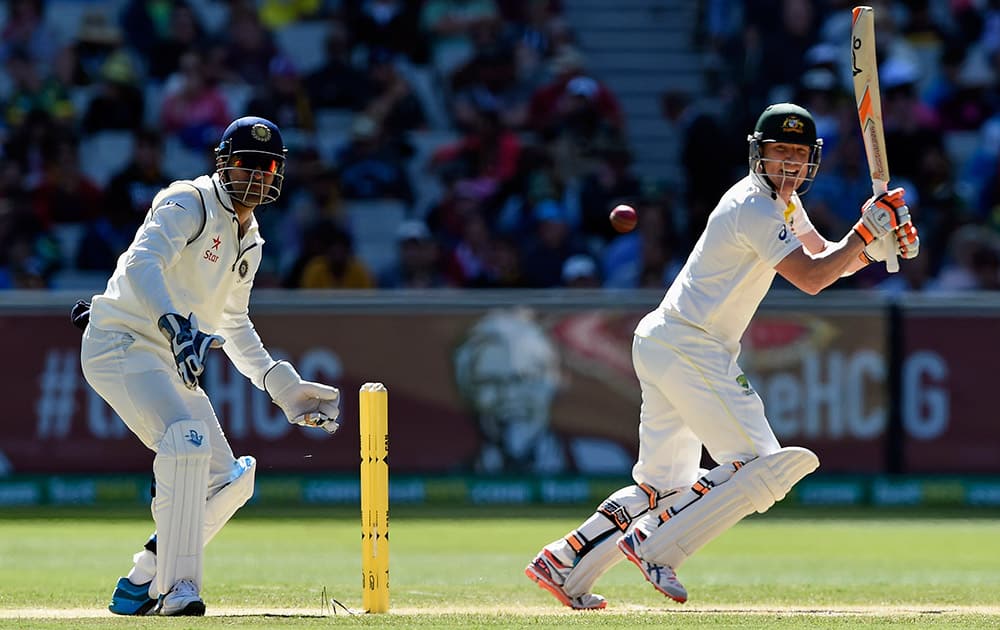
(891, 261)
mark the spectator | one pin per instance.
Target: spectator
(469, 261)
(336, 267)
(486, 157)
(552, 103)
(34, 91)
(648, 256)
(581, 129)
(418, 264)
(534, 32)
(128, 197)
(184, 33)
(22, 239)
(145, 25)
(249, 45)
(22, 265)
(65, 194)
(334, 84)
(580, 272)
(448, 25)
(25, 30)
(118, 102)
(973, 262)
(392, 25)
(98, 37)
(552, 243)
(390, 101)
(370, 166)
(193, 108)
(505, 264)
(283, 98)
(609, 183)
(275, 14)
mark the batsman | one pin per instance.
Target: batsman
(180, 289)
(694, 393)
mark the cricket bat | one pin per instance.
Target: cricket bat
(864, 67)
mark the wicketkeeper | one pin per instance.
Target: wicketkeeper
(694, 393)
(180, 289)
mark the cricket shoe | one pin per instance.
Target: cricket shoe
(131, 599)
(549, 573)
(182, 600)
(660, 576)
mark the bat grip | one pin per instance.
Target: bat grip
(880, 187)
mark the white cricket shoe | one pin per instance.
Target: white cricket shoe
(549, 573)
(182, 600)
(662, 577)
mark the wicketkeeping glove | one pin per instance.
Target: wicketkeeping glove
(188, 344)
(882, 214)
(305, 403)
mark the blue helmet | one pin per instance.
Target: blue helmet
(251, 144)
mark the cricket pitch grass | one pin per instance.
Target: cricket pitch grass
(270, 568)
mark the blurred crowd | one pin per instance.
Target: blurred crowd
(466, 143)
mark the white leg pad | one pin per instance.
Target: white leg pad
(754, 487)
(614, 516)
(181, 471)
(592, 566)
(231, 497)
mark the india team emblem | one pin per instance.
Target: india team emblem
(244, 267)
(260, 132)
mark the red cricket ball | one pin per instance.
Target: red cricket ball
(623, 218)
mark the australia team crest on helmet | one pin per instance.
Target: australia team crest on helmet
(793, 124)
(260, 132)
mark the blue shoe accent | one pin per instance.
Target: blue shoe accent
(131, 599)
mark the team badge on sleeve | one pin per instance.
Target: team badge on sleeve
(244, 267)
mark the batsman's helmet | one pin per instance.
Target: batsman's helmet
(789, 123)
(251, 144)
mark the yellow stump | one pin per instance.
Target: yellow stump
(374, 498)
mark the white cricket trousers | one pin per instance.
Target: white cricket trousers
(692, 395)
(139, 379)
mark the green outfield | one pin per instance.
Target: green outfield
(793, 568)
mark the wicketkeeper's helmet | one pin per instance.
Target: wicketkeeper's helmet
(252, 144)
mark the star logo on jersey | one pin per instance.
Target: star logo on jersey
(216, 241)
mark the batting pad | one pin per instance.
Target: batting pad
(755, 487)
(221, 507)
(593, 546)
(181, 471)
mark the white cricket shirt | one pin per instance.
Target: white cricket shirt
(731, 267)
(188, 257)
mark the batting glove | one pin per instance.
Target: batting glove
(878, 250)
(305, 403)
(907, 241)
(188, 344)
(881, 215)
